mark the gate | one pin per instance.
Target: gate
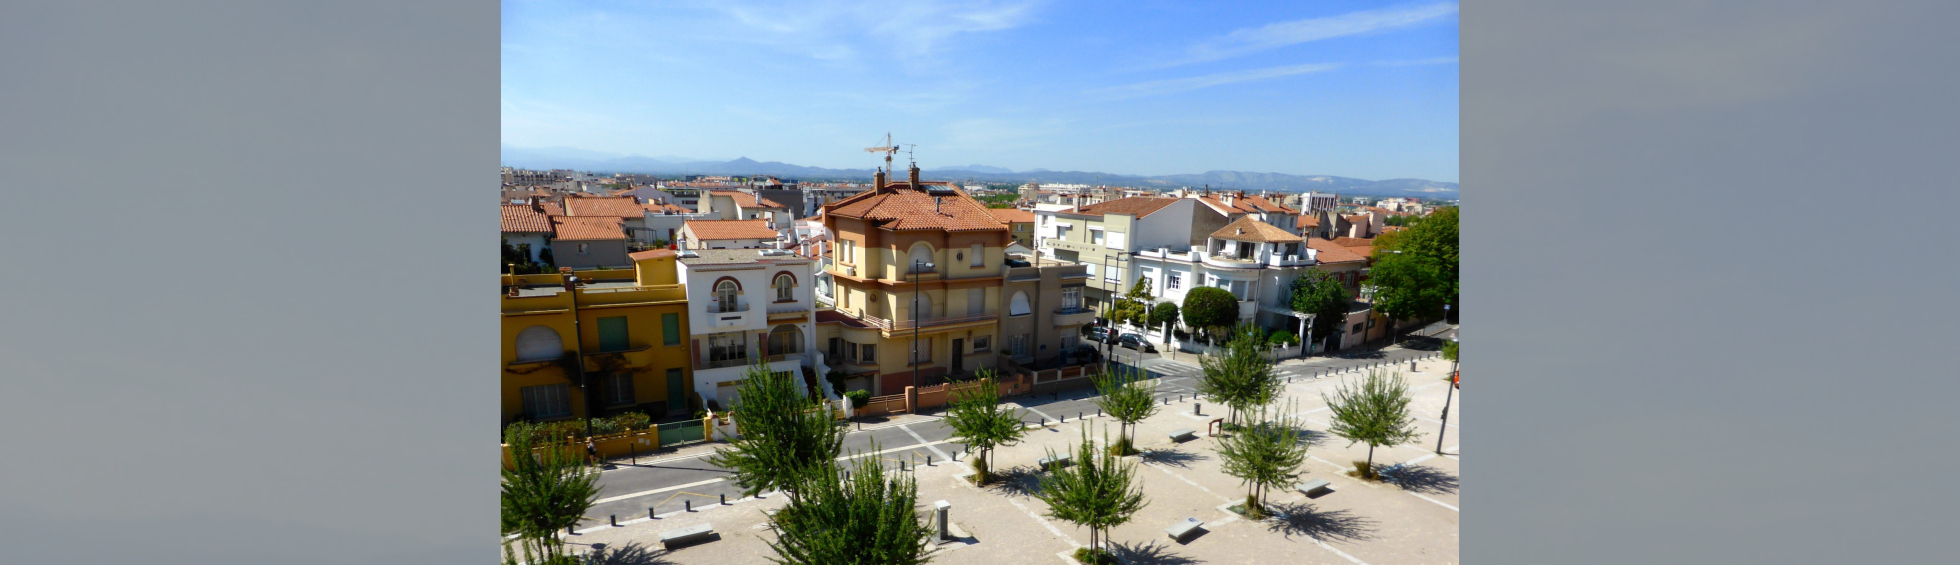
(681, 433)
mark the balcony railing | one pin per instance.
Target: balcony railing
(720, 308)
(712, 363)
(908, 323)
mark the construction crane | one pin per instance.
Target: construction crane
(888, 150)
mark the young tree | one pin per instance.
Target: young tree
(544, 256)
(783, 433)
(867, 519)
(1374, 411)
(1240, 376)
(981, 422)
(1408, 286)
(1128, 399)
(1099, 492)
(542, 495)
(1133, 308)
(1263, 455)
(1320, 294)
(1163, 315)
(1210, 308)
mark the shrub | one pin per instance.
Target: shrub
(1282, 337)
(1093, 556)
(858, 398)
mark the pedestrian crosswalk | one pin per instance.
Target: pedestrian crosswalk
(1171, 368)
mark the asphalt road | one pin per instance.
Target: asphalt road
(631, 490)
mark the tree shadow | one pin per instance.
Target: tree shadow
(1170, 457)
(630, 554)
(1024, 480)
(1151, 553)
(1419, 478)
(1301, 518)
(1315, 438)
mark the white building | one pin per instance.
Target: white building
(745, 307)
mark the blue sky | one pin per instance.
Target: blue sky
(1355, 89)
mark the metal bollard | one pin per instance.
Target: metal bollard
(615, 520)
(632, 448)
(649, 513)
(724, 499)
(929, 461)
(688, 505)
(1198, 409)
(569, 532)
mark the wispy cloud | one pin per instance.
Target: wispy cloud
(915, 27)
(1252, 40)
(1168, 86)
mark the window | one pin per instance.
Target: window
(1175, 279)
(547, 401)
(976, 301)
(921, 351)
(837, 348)
(539, 343)
(1019, 307)
(612, 334)
(616, 389)
(979, 255)
(1018, 345)
(921, 259)
(785, 339)
(1116, 240)
(1091, 268)
(1357, 329)
(1061, 231)
(868, 353)
(670, 329)
(729, 347)
(1113, 273)
(584, 248)
(982, 344)
(785, 288)
(1071, 298)
(1095, 236)
(726, 293)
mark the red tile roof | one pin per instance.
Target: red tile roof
(1138, 206)
(729, 229)
(651, 254)
(1309, 221)
(586, 227)
(747, 200)
(1328, 252)
(898, 206)
(522, 218)
(658, 208)
(617, 207)
(1012, 215)
(1354, 241)
(1247, 228)
(1246, 204)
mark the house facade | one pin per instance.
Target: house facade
(629, 342)
(747, 307)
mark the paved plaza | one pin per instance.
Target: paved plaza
(1410, 518)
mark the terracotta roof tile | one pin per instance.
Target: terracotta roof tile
(1138, 206)
(706, 230)
(1247, 228)
(1246, 204)
(586, 227)
(747, 200)
(659, 208)
(899, 207)
(595, 206)
(522, 218)
(1354, 241)
(1309, 221)
(1328, 252)
(1012, 215)
(651, 254)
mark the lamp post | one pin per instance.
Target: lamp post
(578, 351)
(1449, 394)
(918, 268)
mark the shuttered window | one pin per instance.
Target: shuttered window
(670, 329)
(612, 334)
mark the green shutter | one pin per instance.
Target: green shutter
(612, 334)
(676, 391)
(670, 329)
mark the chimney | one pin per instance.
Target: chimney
(878, 180)
(915, 176)
(936, 201)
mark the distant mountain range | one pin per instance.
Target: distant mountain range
(597, 162)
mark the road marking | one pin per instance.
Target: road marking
(896, 449)
(1419, 459)
(657, 491)
(1039, 413)
(1438, 502)
(1435, 421)
(922, 441)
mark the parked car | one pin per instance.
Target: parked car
(1100, 334)
(1133, 341)
(1081, 354)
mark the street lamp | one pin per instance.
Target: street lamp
(578, 351)
(918, 268)
(1450, 393)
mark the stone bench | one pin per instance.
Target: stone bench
(1183, 434)
(1313, 488)
(1182, 529)
(673, 538)
(1045, 462)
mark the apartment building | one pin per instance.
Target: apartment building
(747, 307)
(1103, 237)
(918, 279)
(741, 205)
(1020, 224)
(728, 234)
(626, 209)
(1045, 312)
(628, 340)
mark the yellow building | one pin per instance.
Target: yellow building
(631, 334)
(917, 267)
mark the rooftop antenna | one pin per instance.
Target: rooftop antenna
(908, 153)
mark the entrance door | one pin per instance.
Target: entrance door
(959, 360)
(676, 392)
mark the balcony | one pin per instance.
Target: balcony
(1074, 316)
(908, 324)
(1247, 308)
(720, 308)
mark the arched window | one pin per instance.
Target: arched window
(539, 343)
(1019, 306)
(725, 293)
(785, 288)
(921, 256)
(785, 339)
